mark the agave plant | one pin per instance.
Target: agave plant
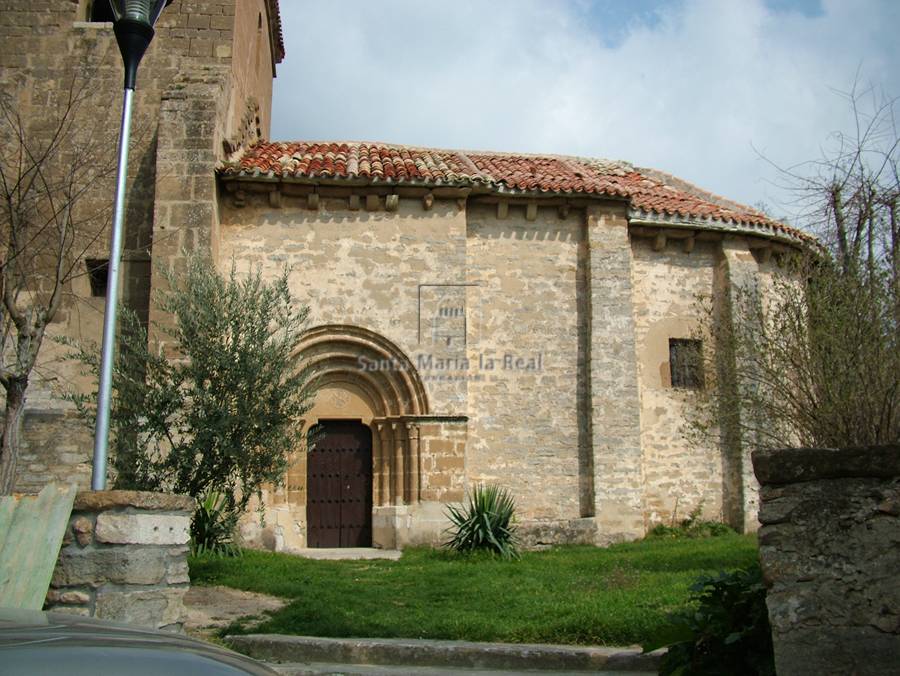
(485, 522)
(213, 526)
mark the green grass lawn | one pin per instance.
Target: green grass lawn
(570, 595)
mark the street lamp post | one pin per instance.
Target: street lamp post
(133, 25)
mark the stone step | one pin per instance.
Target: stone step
(345, 553)
(446, 654)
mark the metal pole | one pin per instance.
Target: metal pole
(104, 395)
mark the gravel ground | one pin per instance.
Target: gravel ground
(212, 608)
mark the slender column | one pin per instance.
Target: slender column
(376, 464)
(385, 457)
(399, 473)
(415, 478)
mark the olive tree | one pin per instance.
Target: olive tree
(220, 412)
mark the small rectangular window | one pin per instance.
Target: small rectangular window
(686, 363)
(98, 272)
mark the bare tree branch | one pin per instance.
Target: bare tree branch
(51, 167)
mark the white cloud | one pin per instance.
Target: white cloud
(692, 93)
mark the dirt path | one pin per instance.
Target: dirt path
(211, 608)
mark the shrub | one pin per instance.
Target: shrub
(485, 523)
(724, 631)
(692, 527)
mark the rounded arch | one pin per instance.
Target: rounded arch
(380, 369)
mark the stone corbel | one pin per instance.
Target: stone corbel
(659, 243)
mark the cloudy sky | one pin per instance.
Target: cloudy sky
(709, 90)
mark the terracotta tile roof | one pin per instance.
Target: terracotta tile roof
(647, 190)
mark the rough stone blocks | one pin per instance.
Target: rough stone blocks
(146, 529)
(828, 548)
(124, 557)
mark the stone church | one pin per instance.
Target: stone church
(475, 316)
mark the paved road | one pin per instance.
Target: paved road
(371, 670)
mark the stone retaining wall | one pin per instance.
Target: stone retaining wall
(124, 558)
(830, 553)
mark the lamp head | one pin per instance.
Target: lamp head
(142, 11)
(133, 26)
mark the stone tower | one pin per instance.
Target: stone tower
(204, 88)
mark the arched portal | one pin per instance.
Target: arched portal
(363, 377)
(371, 364)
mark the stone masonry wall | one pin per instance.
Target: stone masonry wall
(615, 410)
(830, 553)
(56, 447)
(251, 67)
(442, 452)
(362, 268)
(43, 47)
(525, 326)
(124, 558)
(679, 475)
(446, 284)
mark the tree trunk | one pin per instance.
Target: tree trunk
(11, 436)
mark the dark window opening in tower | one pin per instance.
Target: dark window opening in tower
(258, 40)
(98, 273)
(99, 10)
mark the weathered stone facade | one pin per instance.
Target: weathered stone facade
(482, 331)
(558, 378)
(57, 448)
(829, 546)
(211, 55)
(678, 476)
(124, 558)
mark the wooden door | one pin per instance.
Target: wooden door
(339, 485)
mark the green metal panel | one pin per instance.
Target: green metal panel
(31, 532)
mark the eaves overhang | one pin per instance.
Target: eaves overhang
(653, 199)
(786, 235)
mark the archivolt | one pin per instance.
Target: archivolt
(343, 353)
